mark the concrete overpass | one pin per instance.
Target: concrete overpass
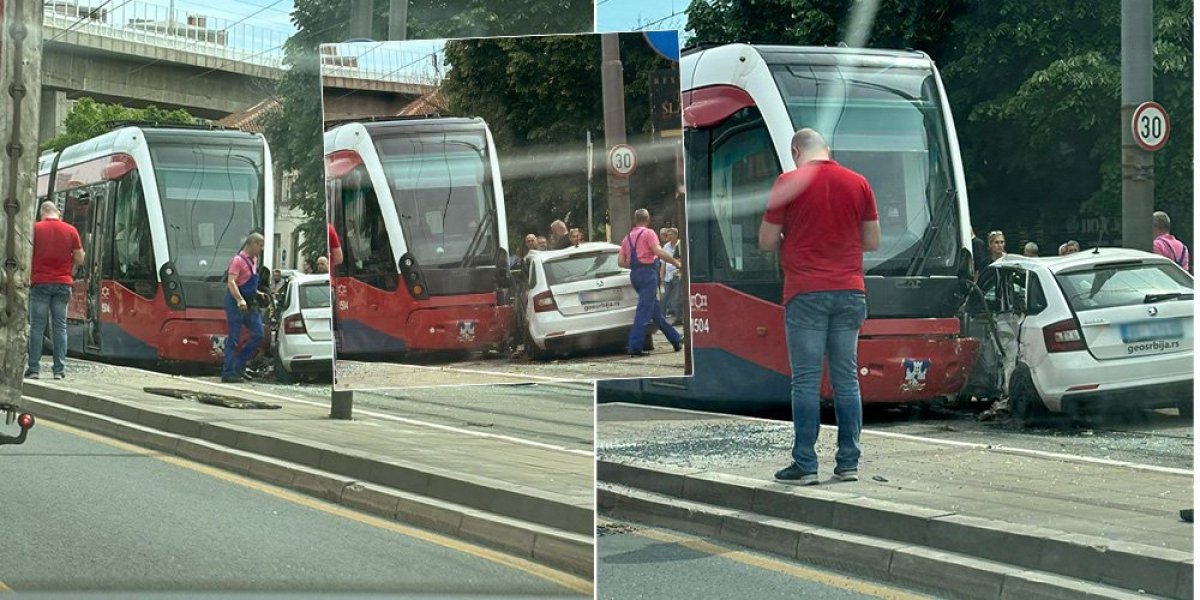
(144, 60)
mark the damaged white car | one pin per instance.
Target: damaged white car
(1103, 329)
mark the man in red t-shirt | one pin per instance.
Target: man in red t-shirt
(1165, 244)
(821, 217)
(335, 247)
(56, 252)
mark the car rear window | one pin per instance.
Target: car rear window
(579, 267)
(314, 295)
(1106, 286)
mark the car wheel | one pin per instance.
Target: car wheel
(1023, 400)
(532, 350)
(282, 375)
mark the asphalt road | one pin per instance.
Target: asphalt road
(639, 562)
(82, 512)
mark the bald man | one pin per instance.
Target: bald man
(56, 252)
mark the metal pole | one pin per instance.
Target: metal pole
(342, 405)
(613, 83)
(20, 102)
(1137, 86)
(398, 20)
(360, 19)
(589, 186)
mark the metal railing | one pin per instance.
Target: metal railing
(158, 26)
(383, 62)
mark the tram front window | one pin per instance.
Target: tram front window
(886, 123)
(212, 199)
(441, 185)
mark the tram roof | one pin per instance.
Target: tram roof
(421, 125)
(818, 54)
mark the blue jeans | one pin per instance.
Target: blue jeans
(236, 360)
(48, 301)
(671, 297)
(821, 324)
(645, 281)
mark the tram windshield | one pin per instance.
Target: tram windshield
(886, 123)
(442, 186)
(212, 198)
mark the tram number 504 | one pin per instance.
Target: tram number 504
(699, 325)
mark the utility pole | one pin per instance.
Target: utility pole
(360, 19)
(398, 20)
(612, 80)
(21, 92)
(1137, 86)
(590, 165)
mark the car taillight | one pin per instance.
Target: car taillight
(25, 421)
(1064, 336)
(294, 324)
(544, 302)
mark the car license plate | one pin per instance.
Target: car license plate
(605, 296)
(600, 306)
(1151, 330)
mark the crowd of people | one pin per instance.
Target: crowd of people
(1165, 244)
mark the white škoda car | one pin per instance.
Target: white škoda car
(576, 299)
(1107, 328)
(304, 338)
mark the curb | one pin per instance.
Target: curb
(1159, 571)
(918, 567)
(498, 497)
(563, 550)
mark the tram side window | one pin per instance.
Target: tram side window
(133, 253)
(367, 249)
(744, 169)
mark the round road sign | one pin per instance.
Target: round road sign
(1151, 126)
(622, 160)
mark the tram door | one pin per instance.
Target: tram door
(98, 265)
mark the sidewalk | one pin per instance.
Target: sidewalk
(1088, 519)
(529, 498)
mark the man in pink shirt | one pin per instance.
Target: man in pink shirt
(1166, 245)
(242, 284)
(638, 252)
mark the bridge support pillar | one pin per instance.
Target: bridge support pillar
(54, 110)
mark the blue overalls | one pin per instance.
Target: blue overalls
(645, 281)
(235, 362)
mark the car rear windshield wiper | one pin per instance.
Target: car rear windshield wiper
(1152, 298)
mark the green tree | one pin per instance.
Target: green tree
(540, 96)
(1035, 91)
(295, 129)
(89, 119)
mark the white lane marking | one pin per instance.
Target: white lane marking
(916, 438)
(384, 416)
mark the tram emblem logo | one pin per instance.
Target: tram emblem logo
(466, 331)
(104, 292)
(915, 371)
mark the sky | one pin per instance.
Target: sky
(630, 15)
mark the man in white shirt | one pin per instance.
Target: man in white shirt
(672, 278)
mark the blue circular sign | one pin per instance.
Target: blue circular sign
(666, 43)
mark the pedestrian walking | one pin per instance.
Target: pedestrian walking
(558, 236)
(978, 251)
(242, 310)
(1165, 244)
(56, 252)
(821, 217)
(575, 236)
(638, 252)
(1031, 250)
(322, 264)
(335, 247)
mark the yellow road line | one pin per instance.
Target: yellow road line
(571, 582)
(762, 562)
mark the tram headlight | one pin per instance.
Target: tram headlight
(175, 299)
(413, 276)
(172, 285)
(418, 290)
(168, 271)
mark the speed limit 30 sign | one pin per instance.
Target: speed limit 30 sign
(1151, 126)
(622, 160)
